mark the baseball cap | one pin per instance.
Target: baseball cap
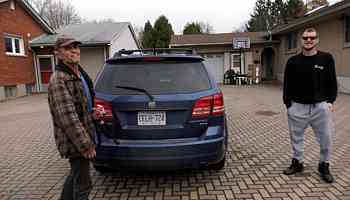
(64, 41)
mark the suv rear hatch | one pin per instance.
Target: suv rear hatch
(156, 100)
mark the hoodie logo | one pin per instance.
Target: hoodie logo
(318, 67)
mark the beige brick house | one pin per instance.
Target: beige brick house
(333, 25)
(222, 52)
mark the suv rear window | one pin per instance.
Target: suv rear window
(156, 78)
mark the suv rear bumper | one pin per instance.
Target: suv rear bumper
(162, 156)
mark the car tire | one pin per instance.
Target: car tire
(218, 166)
(102, 169)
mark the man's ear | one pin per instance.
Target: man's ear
(57, 53)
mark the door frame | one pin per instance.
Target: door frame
(268, 71)
(40, 85)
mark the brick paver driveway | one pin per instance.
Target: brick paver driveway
(259, 150)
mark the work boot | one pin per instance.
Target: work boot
(325, 174)
(295, 167)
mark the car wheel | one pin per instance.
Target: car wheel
(218, 166)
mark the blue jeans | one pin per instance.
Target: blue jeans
(77, 185)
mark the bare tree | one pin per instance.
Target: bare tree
(206, 27)
(58, 13)
(241, 28)
(100, 21)
(138, 32)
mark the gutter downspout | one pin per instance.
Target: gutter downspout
(37, 85)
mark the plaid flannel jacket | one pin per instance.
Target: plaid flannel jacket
(73, 124)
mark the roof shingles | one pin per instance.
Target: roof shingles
(220, 38)
(88, 33)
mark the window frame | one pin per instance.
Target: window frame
(291, 41)
(239, 60)
(11, 91)
(347, 31)
(13, 46)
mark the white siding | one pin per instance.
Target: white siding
(2, 93)
(215, 66)
(124, 40)
(227, 61)
(344, 84)
(248, 60)
(92, 60)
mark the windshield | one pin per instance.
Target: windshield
(155, 78)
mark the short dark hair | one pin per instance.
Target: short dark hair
(310, 29)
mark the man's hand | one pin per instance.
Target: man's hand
(90, 154)
(98, 113)
(330, 107)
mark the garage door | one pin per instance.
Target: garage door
(215, 66)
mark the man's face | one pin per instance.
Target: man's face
(309, 40)
(69, 54)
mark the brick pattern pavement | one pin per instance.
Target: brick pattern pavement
(259, 150)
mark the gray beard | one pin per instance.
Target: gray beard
(73, 62)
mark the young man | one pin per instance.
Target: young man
(70, 96)
(310, 89)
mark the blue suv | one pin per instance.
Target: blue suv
(163, 110)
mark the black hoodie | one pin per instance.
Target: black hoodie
(310, 79)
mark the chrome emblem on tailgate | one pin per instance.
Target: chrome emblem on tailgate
(151, 104)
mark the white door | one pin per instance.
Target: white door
(215, 66)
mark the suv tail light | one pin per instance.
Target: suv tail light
(105, 107)
(210, 105)
(202, 108)
(218, 105)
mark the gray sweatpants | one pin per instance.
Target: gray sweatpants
(319, 117)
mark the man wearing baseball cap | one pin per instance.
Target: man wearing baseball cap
(70, 97)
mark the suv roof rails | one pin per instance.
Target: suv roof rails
(154, 52)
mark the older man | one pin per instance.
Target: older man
(310, 89)
(70, 96)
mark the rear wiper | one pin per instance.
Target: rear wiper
(137, 89)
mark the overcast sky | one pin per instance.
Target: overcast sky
(223, 15)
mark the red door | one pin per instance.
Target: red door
(46, 69)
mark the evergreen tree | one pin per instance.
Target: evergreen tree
(147, 40)
(192, 28)
(267, 13)
(295, 9)
(162, 32)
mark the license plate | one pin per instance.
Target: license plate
(152, 118)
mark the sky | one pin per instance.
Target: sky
(223, 15)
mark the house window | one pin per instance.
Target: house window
(236, 62)
(291, 41)
(347, 29)
(10, 91)
(14, 46)
(12, 5)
